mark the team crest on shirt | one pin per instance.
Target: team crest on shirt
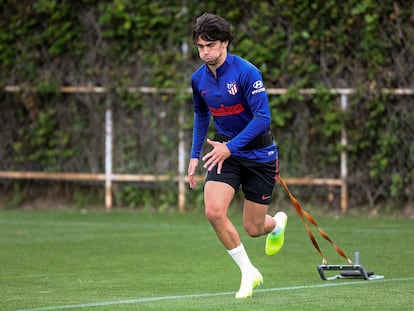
(232, 88)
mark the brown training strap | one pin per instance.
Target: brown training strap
(302, 213)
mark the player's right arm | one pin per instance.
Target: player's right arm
(200, 129)
(191, 172)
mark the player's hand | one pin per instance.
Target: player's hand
(216, 156)
(191, 172)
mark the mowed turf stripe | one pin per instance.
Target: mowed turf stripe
(175, 297)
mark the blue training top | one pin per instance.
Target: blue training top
(237, 100)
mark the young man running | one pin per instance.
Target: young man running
(243, 153)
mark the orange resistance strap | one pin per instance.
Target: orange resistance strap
(302, 213)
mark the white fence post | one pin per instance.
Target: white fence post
(108, 159)
(344, 165)
(181, 142)
(181, 162)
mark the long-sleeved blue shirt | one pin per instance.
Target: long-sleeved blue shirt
(238, 102)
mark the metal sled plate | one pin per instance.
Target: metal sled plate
(348, 271)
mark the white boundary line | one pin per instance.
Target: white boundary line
(176, 297)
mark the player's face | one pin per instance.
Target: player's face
(213, 53)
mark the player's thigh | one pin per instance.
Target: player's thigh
(217, 197)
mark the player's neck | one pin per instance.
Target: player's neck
(213, 67)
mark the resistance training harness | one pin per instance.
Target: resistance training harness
(302, 214)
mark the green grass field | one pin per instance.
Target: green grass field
(126, 260)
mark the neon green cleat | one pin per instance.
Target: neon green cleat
(248, 284)
(274, 241)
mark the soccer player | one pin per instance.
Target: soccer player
(231, 90)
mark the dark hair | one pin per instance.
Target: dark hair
(211, 27)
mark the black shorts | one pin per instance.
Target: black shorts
(257, 179)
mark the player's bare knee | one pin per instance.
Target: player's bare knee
(254, 231)
(213, 215)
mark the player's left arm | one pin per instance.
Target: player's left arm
(255, 93)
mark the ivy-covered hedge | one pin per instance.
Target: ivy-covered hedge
(366, 45)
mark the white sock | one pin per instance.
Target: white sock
(279, 223)
(241, 258)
